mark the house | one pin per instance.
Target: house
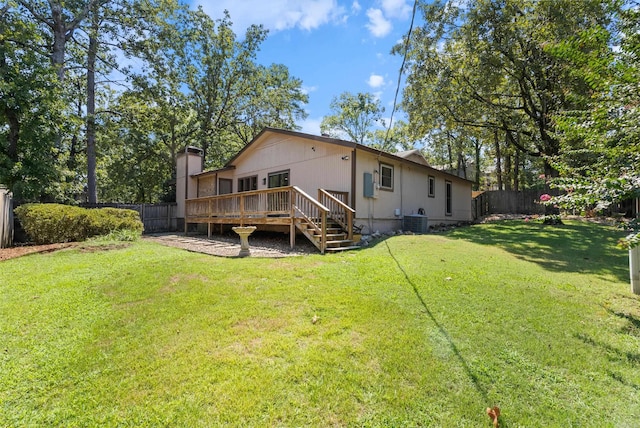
(291, 180)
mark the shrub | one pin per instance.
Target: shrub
(107, 220)
(51, 223)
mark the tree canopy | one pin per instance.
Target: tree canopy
(497, 66)
(97, 97)
(599, 156)
(353, 117)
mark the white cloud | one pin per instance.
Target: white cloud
(311, 125)
(396, 8)
(276, 15)
(378, 25)
(308, 89)
(375, 81)
(355, 7)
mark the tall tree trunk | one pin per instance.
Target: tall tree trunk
(13, 120)
(14, 133)
(516, 171)
(496, 141)
(462, 166)
(449, 150)
(59, 28)
(508, 171)
(92, 52)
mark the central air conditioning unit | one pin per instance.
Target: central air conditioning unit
(415, 223)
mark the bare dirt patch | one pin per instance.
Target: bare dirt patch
(96, 248)
(23, 250)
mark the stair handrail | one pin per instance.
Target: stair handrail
(343, 208)
(323, 211)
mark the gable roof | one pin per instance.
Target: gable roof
(414, 155)
(411, 157)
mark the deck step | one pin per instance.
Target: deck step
(339, 242)
(337, 249)
(332, 236)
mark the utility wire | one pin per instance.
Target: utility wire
(475, 380)
(404, 60)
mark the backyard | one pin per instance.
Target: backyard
(423, 330)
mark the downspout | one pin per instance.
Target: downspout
(353, 179)
(186, 187)
(401, 191)
(186, 174)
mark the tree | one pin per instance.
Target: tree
(275, 99)
(600, 146)
(30, 104)
(398, 137)
(353, 117)
(62, 19)
(493, 64)
(63, 127)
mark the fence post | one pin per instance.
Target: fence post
(634, 269)
(6, 218)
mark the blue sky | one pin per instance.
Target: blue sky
(331, 45)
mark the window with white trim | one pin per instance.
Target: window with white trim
(386, 176)
(432, 186)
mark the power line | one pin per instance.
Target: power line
(404, 60)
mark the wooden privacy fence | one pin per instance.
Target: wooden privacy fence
(507, 202)
(155, 217)
(6, 218)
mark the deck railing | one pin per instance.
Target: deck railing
(313, 213)
(282, 205)
(339, 212)
(243, 205)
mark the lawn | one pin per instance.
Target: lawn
(414, 331)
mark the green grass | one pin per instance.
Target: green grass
(414, 331)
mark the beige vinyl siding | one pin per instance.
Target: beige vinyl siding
(311, 164)
(410, 194)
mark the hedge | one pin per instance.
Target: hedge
(52, 223)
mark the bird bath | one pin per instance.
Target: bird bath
(244, 232)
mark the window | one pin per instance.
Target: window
(432, 186)
(448, 198)
(248, 183)
(278, 179)
(225, 186)
(386, 176)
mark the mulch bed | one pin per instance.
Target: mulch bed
(23, 250)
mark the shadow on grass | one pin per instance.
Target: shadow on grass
(633, 323)
(573, 247)
(620, 355)
(472, 376)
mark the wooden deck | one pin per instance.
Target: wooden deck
(326, 221)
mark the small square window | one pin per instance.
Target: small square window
(386, 176)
